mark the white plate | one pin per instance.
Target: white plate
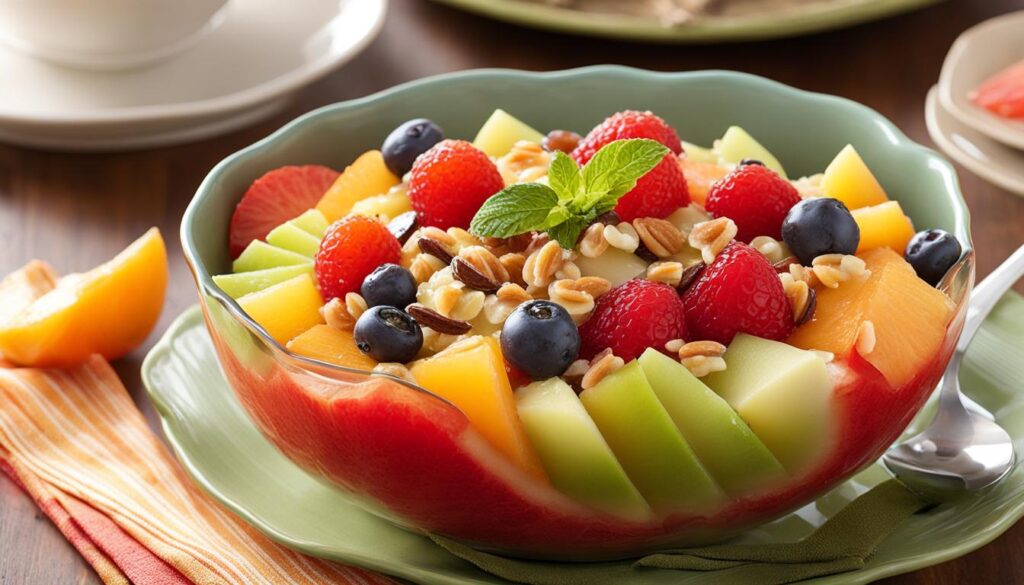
(979, 53)
(990, 159)
(243, 71)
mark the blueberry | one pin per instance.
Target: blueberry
(388, 335)
(540, 339)
(932, 253)
(390, 285)
(820, 226)
(407, 142)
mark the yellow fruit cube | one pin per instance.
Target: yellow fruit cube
(385, 207)
(471, 375)
(367, 176)
(883, 225)
(331, 345)
(285, 309)
(849, 180)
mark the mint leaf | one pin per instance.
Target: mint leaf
(557, 215)
(564, 177)
(567, 232)
(615, 169)
(516, 209)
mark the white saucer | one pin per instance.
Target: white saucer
(243, 71)
(989, 159)
(978, 54)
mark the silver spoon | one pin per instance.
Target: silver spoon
(963, 449)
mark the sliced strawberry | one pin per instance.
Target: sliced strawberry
(274, 198)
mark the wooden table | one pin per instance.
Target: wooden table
(77, 210)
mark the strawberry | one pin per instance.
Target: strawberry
(632, 317)
(738, 292)
(273, 199)
(754, 197)
(657, 194)
(663, 189)
(352, 248)
(627, 124)
(450, 182)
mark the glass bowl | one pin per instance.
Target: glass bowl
(412, 457)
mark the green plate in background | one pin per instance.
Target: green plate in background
(226, 455)
(803, 18)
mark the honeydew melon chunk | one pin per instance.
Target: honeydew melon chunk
(784, 395)
(614, 265)
(242, 283)
(647, 443)
(575, 456)
(259, 255)
(736, 144)
(501, 131)
(294, 239)
(737, 460)
(312, 221)
(699, 153)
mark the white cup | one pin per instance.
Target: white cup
(106, 34)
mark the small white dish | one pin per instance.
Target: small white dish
(990, 159)
(979, 53)
(244, 70)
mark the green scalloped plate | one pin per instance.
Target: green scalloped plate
(804, 18)
(229, 458)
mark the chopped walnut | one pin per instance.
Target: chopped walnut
(670, 273)
(833, 269)
(800, 297)
(659, 236)
(526, 162)
(702, 357)
(622, 236)
(866, 338)
(577, 296)
(809, 187)
(770, 248)
(593, 243)
(600, 367)
(542, 265)
(513, 263)
(674, 345)
(449, 297)
(499, 306)
(343, 314)
(423, 266)
(711, 237)
(485, 262)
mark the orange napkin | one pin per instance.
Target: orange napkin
(75, 442)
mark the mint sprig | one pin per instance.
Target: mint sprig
(573, 197)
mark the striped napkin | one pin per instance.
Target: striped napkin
(75, 442)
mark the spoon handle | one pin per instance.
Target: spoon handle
(987, 294)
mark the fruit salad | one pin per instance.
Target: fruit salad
(636, 340)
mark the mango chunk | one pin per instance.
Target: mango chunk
(365, 177)
(848, 179)
(471, 375)
(285, 309)
(331, 345)
(884, 224)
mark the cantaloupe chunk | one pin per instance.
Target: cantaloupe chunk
(285, 309)
(700, 176)
(884, 224)
(849, 180)
(365, 177)
(331, 345)
(471, 375)
(909, 317)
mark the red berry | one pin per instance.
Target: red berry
(450, 182)
(754, 197)
(273, 199)
(623, 125)
(739, 292)
(632, 317)
(352, 248)
(657, 194)
(663, 189)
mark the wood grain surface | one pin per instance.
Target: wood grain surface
(76, 210)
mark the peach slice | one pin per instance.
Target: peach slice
(109, 310)
(331, 345)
